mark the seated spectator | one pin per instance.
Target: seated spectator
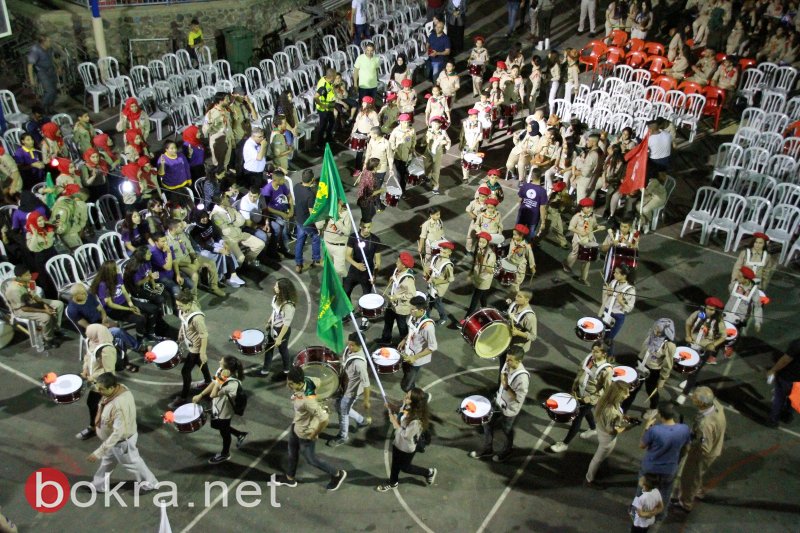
(705, 67)
(13, 242)
(29, 162)
(209, 238)
(94, 174)
(173, 168)
(40, 238)
(251, 206)
(10, 178)
(35, 122)
(24, 303)
(655, 197)
(680, 65)
(70, 216)
(85, 309)
(133, 116)
(68, 175)
(110, 291)
(142, 283)
(230, 222)
(103, 143)
(278, 197)
(195, 151)
(211, 186)
(165, 267)
(136, 146)
(83, 131)
(188, 262)
(134, 231)
(726, 76)
(53, 143)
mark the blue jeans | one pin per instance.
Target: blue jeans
(306, 447)
(304, 232)
(360, 32)
(513, 12)
(345, 410)
(123, 339)
(280, 230)
(619, 321)
(436, 68)
(172, 286)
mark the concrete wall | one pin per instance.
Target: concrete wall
(70, 25)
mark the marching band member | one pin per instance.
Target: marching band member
(619, 296)
(478, 56)
(610, 423)
(437, 106)
(514, 384)
(379, 148)
(438, 272)
(223, 390)
(623, 237)
(592, 379)
(475, 208)
(407, 97)
(437, 143)
(582, 225)
(523, 323)
(401, 289)
(389, 113)
(432, 231)
(484, 107)
(495, 93)
(449, 82)
(402, 141)
(354, 365)
(471, 137)
(489, 220)
(586, 169)
(520, 254)
(418, 344)
(757, 259)
(743, 303)
(525, 143)
(501, 72)
(279, 326)
(705, 332)
(482, 273)
(655, 364)
(513, 87)
(100, 358)
(557, 202)
(335, 236)
(366, 119)
(491, 181)
(194, 334)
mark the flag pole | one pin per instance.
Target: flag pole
(641, 210)
(368, 356)
(361, 246)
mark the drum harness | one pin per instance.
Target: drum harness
(641, 367)
(185, 323)
(501, 403)
(414, 329)
(396, 281)
(702, 327)
(348, 358)
(757, 266)
(740, 299)
(276, 315)
(607, 319)
(516, 320)
(472, 135)
(590, 372)
(436, 271)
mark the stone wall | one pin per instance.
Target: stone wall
(70, 25)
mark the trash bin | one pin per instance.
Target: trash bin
(238, 48)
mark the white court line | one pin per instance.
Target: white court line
(514, 479)
(235, 483)
(308, 309)
(20, 374)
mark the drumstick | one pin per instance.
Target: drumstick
(652, 393)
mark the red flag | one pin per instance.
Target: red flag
(637, 168)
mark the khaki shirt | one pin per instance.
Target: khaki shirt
(449, 83)
(591, 166)
(83, 136)
(523, 319)
(439, 274)
(365, 122)
(278, 145)
(229, 221)
(491, 224)
(407, 100)
(339, 231)
(436, 107)
(17, 296)
(379, 149)
(437, 142)
(117, 421)
(471, 135)
(388, 117)
(37, 243)
(709, 432)
(240, 121)
(219, 124)
(194, 330)
(95, 363)
(402, 142)
(573, 73)
(482, 272)
(475, 208)
(181, 245)
(511, 402)
(432, 231)
(725, 79)
(588, 223)
(401, 289)
(308, 414)
(661, 360)
(520, 254)
(594, 387)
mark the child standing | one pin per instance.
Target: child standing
(646, 506)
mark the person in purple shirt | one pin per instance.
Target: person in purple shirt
(27, 203)
(110, 290)
(280, 206)
(173, 168)
(84, 309)
(29, 161)
(140, 281)
(532, 205)
(163, 263)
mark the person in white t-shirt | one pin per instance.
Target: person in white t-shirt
(659, 146)
(358, 21)
(647, 505)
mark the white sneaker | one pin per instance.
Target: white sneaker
(558, 447)
(237, 280)
(681, 399)
(682, 384)
(233, 284)
(589, 433)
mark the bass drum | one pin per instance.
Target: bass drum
(322, 365)
(487, 332)
(617, 256)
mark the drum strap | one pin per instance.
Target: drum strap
(741, 298)
(185, 321)
(399, 280)
(758, 264)
(499, 399)
(590, 373)
(436, 269)
(518, 318)
(99, 348)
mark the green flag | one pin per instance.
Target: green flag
(329, 191)
(51, 197)
(333, 306)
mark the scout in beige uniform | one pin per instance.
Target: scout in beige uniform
(573, 75)
(449, 81)
(520, 254)
(437, 143)
(402, 141)
(407, 97)
(379, 148)
(439, 273)
(523, 322)
(399, 291)
(279, 148)
(489, 220)
(482, 272)
(726, 76)
(366, 119)
(471, 138)
(389, 113)
(230, 222)
(194, 334)
(655, 364)
(432, 231)
(624, 237)
(704, 68)
(217, 129)
(587, 170)
(558, 201)
(101, 357)
(419, 344)
(525, 144)
(335, 236)
(242, 113)
(478, 56)
(436, 106)
(475, 208)
(583, 225)
(758, 260)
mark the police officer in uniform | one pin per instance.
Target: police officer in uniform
(324, 101)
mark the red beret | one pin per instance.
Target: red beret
(472, 111)
(492, 201)
(760, 235)
(368, 100)
(713, 301)
(406, 83)
(493, 79)
(407, 259)
(484, 190)
(428, 96)
(493, 172)
(501, 64)
(391, 97)
(404, 117)
(522, 229)
(485, 236)
(479, 38)
(586, 202)
(559, 186)
(748, 273)
(437, 119)
(447, 244)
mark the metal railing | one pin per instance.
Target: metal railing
(131, 3)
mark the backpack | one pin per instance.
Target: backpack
(423, 440)
(240, 401)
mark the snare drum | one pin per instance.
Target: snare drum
(487, 133)
(588, 252)
(387, 360)
(618, 256)
(589, 329)
(251, 342)
(488, 332)
(471, 162)
(626, 374)
(167, 355)
(731, 333)
(510, 110)
(321, 363)
(495, 113)
(476, 410)
(416, 171)
(358, 142)
(372, 305)
(415, 179)
(393, 195)
(476, 70)
(501, 250)
(188, 418)
(687, 360)
(66, 389)
(561, 407)
(506, 273)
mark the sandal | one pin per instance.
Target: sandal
(130, 367)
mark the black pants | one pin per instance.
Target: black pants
(650, 384)
(93, 403)
(225, 431)
(192, 360)
(283, 348)
(402, 173)
(505, 424)
(142, 324)
(401, 462)
(252, 179)
(545, 18)
(389, 318)
(325, 128)
(410, 373)
(585, 410)
(456, 35)
(479, 296)
(358, 164)
(350, 283)
(637, 529)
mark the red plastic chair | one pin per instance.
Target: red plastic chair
(654, 48)
(690, 87)
(667, 83)
(636, 59)
(745, 63)
(614, 54)
(591, 53)
(635, 45)
(618, 38)
(656, 64)
(715, 101)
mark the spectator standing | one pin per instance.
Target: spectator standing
(588, 9)
(438, 49)
(324, 102)
(435, 9)
(42, 72)
(304, 198)
(532, 209)
(513, 7)
(365, 73)
(358, 21)
(456, 20)
(784, 373)
(659, 146)
(254, 154)
(195, 37)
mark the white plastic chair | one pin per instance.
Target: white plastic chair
(655, 94)
(791, 147)
(110, 76)
(11, 110)
(223, 69)
(780, 167)
(728, 160)
(775, 122)
(768, 69)
(158, 70)
(92, 85)
(89, 258)
(783, 79)
(795, 249)
(184, 59)
(255, 78)
(793, 108)
(561, 107)
(705, 203)
(755, 218)
(752, 117)
(782, 227)
(662, 110)
(691, 116)
(330, 44)
(109, 209)
(641, 76)
(63, 270)
(172, 63)
(770, 141)
(677, 99)
(13, 138)
(755, 159)
(746, 137)
(623, 72)
(140, 75)
(25, 325)
(728, 215)
(750, 84)
(669, 185)
(63, 121)
(772, 102)
(147, 99)
(786, 193)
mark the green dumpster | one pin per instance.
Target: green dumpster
(238, 48)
